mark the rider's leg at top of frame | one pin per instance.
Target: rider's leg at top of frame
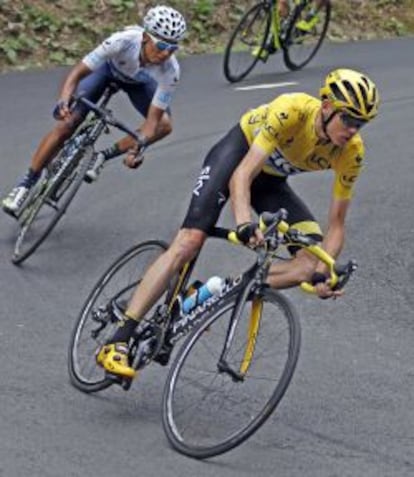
(303, 26)
(150, 96)
(311, 17)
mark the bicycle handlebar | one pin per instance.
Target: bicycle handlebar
(269, 223)
(108, 118)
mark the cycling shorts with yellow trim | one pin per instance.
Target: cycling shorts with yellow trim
(268, 192)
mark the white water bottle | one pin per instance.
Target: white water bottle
(213, 286)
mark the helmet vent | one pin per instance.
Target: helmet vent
(351, 92)
(337, 92)
(363, 92)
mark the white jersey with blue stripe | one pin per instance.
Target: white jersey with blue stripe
(122, 50)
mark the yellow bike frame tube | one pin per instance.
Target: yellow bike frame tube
(254, 323)
(181, 278)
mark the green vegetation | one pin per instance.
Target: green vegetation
(38, 33)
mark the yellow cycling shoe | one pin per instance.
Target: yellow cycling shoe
(113, 358)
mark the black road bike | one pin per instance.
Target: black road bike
(240, 351)
(62, 178)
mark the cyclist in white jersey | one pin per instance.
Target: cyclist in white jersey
(141, 61)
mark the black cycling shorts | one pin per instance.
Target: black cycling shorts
(268, 193)
(93, 86)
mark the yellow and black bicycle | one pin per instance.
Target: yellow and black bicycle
(263, 31)
(239, 354)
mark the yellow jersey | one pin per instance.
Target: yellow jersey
(285, 129)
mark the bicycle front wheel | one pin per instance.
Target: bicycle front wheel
(49, 202)
(305, 33)
(247, 42)
(96, 323)
(206, 411)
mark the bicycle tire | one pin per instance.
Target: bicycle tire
(187, 421)
(294, 43)
(121, 275)
(21, 252)
(259, 11)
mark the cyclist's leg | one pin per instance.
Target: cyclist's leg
(311, 18)
(283, 6)
(92, 87)
(141, 96)
(270, 194)
(208, 198)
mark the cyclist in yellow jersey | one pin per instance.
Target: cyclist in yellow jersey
(285, 130)
(295, 133)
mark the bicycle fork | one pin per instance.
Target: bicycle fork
(253, 330)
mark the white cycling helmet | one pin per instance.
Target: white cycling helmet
(165, 22)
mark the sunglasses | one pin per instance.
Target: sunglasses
(351, 122)
(163, 45)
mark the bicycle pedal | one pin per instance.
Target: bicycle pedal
(125, 383)
(12, 213)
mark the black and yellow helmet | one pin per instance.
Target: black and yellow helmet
(351, 92)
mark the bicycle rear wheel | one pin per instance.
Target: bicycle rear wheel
(305, 34)
(49, 201)
(205, 411)
(95, 323)
(247, 42)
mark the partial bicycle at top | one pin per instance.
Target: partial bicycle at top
(297, 28)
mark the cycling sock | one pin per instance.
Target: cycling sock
(30, 179)
(111, 152)
(124, 331)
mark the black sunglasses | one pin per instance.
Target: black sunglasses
(351, 122)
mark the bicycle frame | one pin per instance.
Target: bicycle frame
(89, 132)
(95, 125)
(250, 283)
(240, 286)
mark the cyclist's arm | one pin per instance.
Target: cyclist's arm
(335, 235)
(149, 132)
(241, 181)
(150, 126)
(70, 84)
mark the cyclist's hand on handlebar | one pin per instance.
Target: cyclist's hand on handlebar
(324, 291)
(134, 158)
(61, 110)
(322, 288)
(249, 233)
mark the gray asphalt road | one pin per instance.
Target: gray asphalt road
(349, 410)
